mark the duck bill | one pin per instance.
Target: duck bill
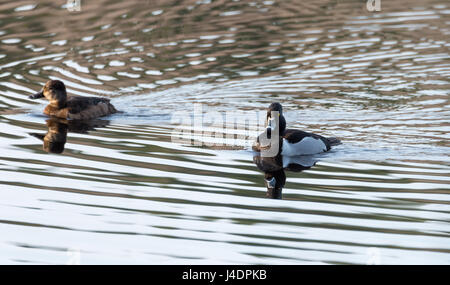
(38, 95)
(270, 127)
(269, 133)
(272, 122)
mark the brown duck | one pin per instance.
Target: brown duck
(72, 107)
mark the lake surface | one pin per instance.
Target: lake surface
(123, 191)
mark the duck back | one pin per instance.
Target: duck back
(80, 108)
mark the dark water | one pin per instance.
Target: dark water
(122, 191)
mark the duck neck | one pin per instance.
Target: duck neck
(60, 104)
(282, 125)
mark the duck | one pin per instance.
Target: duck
(291, 142)
(72, 107)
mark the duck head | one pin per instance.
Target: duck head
(269, 142)
(54, 91)
(275, 119)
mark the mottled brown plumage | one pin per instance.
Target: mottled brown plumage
(72, 107)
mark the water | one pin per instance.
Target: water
(122, 192)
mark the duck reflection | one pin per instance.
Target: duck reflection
(274, 170)
(55, 138)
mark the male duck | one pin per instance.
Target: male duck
(72, 107)
(292, 142)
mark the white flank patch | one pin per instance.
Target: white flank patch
(308, 145)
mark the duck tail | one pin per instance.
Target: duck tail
(112, 109)
(334, 141)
